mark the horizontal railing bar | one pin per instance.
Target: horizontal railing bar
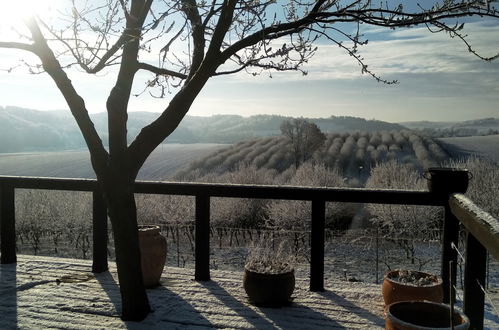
(347, 195)
(481, 224)
(28, 182)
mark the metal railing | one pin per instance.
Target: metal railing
(482, 229)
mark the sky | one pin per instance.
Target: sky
(439, 80)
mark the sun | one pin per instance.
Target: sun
(14, 12)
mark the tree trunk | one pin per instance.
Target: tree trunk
(123, 215)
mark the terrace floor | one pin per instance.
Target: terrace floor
(45, 292)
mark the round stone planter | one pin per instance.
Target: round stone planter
(269, 290)
(394, 290)
(152, 253)
(423, 315)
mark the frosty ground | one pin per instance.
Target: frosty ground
(46, 292)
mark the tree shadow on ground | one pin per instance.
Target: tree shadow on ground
(8, 296)
(111, 289)
(169, 310)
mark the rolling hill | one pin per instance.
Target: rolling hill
(481, 146)
(24, 130)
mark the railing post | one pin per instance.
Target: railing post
(450, 238)
(317, 246)
(202, 251)
(474, 281)
(7, 225)
(443, 182)
(99, 220)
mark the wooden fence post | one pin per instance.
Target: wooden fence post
(317, 246)
(474, 281)
(202, 248)
(443, 182)
(7, 225)
(100, 237)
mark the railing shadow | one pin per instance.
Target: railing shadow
(171, 311)
(299, 316)
(352, 308)
(256, 320)
(8, 296)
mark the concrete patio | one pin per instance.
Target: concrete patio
(45, 292)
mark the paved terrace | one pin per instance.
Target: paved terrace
(45, 292)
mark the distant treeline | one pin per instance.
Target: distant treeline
(484, 126)
(32, 130)
(457, 132)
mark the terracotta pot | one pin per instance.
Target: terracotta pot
(394, 291)
(423, 315)
(153, 254)
(447, 179)
(269, 290)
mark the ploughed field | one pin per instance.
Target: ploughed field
(162, 163)
(482, 146)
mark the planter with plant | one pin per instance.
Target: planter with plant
(405, 285)
(269, 276)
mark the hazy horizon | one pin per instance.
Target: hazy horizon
(261, 114)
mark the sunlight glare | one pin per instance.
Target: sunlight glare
(13, 12)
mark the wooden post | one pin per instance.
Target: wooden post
(202, 249)
(317, 246)
(474, 280)
(7, 225)
(443, 182)
(99, 220)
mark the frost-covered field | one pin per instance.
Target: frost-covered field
(162, 163)
(483, 146)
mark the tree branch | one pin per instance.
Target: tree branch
(98, 154)
(221, 29)
(161, 71)
(190, 9)
(17, 45)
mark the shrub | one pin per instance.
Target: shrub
(295, 215)
(404, 223)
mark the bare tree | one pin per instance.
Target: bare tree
(305, 138)
(216, 38)
(402, 223)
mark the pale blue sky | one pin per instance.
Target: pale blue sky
(439, 80)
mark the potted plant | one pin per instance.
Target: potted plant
(152, 254)
(447, 179)
(269, 276)
(420, 315)
(403, 285)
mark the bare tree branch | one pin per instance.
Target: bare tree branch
(17, 45)
(99, 155)
(190, 9)
(160, 71)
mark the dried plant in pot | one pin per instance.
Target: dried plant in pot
(405, 285)
(269, 276)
